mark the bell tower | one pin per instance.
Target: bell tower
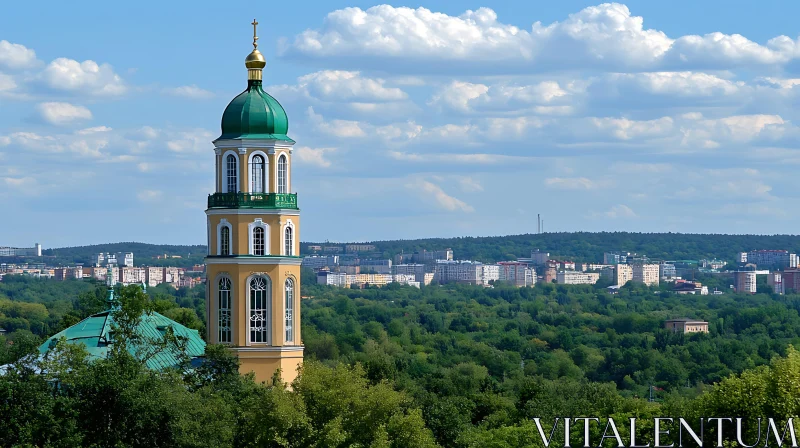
(253, 263)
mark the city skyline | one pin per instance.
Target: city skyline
(600, 117)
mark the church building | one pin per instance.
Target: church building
(253, 263)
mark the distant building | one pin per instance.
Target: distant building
(790, 279)
(490, 273)
(343, 280)
(120, 259)
(617, 257)
(459, 271)
(516, 273)
(332, 249)
(686, 326)
(132, 275)
(314, 248)
(667, 271)
(646, 273)
(744, 281)
(764, 259)
(349, 269)
(317, 262)
(712, 264)
(153, 276)
(623, 273)
(550, 275)
(376, 266)
(35, 251)
(430, 256)
(74, 273)
(775, 280)
(355, 248)
(577, 278)
(684, 287)
(537, 258)
(415, 269)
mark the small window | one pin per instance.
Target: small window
(289, 306)
(288, 241)
(282, 175)
(259, 247)
(225, 241)
(231, 174)
(257, 181)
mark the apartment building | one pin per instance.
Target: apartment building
(459, 271)
(490, 273)
(355, 248)
(775, 280)
(764, 259)
(415, 269)
(376, 266)
(667, 271)
(317, 262)
(75, 273)
(744, 281)
(430, 256)
(646, 273)
(577, 277)
(35, 251)
(154, 276)
(516, 273)
(623, 273)
(132, 275)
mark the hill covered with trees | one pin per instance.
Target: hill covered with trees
(589, 246)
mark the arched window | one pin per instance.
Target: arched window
(259, 309)
(225, 240)
(288, 241)
(259, 247)
(224, 311)
(289, 306)
(257, 180)
(282, 175)
(231, 174)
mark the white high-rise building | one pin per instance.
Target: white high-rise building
(490, 273)
(646, 273)
(460, 271)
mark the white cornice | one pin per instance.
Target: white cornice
(253, 260)
(253, 211)
(255, 144)
(270, 348)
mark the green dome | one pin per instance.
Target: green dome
(254, 114)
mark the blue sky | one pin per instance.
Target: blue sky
(411, 119)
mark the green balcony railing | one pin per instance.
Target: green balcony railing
(252, 200)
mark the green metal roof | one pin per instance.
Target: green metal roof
(93, 333)
(254, 114)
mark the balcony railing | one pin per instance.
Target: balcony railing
(252, 200)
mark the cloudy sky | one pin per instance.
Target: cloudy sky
(410, 121)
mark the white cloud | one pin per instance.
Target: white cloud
(434, 194)
(192, 92)
(606, 36)
(62, 113)
(190, 142)
(337, 128)
(469, 185)
(16, 56)
(571, 183)
(7, 83)
(337, 85)
(619, 211)
(85, 77)
(626, 129)
(314, 156)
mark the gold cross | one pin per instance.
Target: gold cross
(255, 38)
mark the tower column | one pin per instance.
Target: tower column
(253, 285)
